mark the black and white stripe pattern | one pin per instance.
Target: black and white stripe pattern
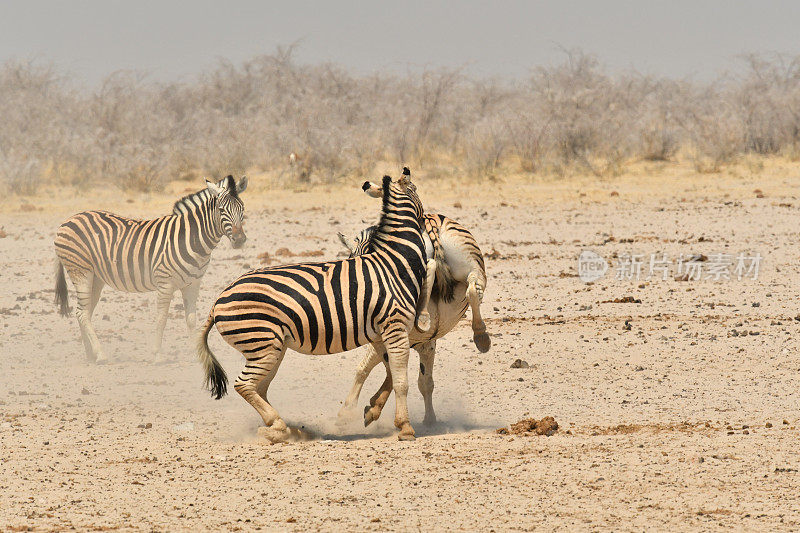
(459, 283)
(164, 254)
(323, 308)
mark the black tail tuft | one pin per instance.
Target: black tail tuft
(218, 382)
(61, 290)
(365, 186)
(216, 379)
(406, 172)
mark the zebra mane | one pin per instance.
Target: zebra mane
(365, 236)
(383, 221)
(190, 201)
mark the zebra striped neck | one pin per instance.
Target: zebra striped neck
(399, 216)
(201, 216)
(191, 202)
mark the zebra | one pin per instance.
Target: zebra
(326, 308)
(165, 254)
(459, 283)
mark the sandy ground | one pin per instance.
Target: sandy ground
(663, 420)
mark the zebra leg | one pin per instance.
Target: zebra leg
(427, 352)
(370, 360)
(423, 322)
(475, 287)
(395, 338)
(87, 299)
(163, 300)
(373, 411)
(253, 384)
(97, 288)
(189, 294)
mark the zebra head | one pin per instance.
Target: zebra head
(403, 187)
(230, 208)
(361, 244)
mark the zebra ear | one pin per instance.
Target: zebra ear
(214, 188)
(376, 191)
(405, 179)
(347, 242)
(242, 185)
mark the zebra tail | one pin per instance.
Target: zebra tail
(216, 379)
(445, 283)
(61, 290)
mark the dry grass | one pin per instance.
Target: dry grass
(572, 118)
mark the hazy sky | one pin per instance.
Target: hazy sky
(173, 39)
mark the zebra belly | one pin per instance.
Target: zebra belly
(444, 316)
(457, 256)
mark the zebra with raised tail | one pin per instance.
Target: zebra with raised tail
(165, 254)
(326, 308)
(459, 283)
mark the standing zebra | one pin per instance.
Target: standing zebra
(326, 308)
(459, 283)
(163, 254)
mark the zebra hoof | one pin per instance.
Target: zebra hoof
(274, 435)
(371, 414)
(407, 433)
(482, 341)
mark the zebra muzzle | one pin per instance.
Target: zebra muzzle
(237, 237)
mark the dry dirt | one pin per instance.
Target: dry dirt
(680, 412)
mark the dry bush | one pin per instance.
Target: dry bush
(138, 134)
(591, 117)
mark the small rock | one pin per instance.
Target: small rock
(768, 425)
(520, 363)
(85, 391)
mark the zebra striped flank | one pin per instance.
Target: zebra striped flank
(326, 307)
(164, 254)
